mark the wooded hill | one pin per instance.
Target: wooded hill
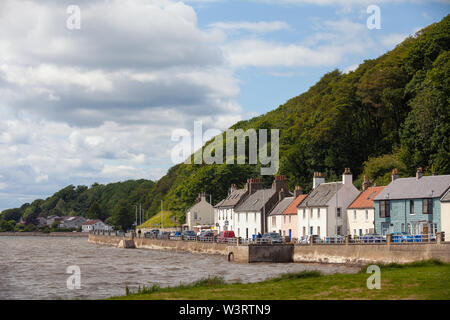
(391, 112)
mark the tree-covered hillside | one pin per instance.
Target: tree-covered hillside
(96, 202)
(391, 112)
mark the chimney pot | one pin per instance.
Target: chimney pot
(419, 173)
(318, 179)
(298, 191)
(395, 174)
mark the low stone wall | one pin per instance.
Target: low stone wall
(372, 253)
(105, 240)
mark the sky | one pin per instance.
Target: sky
(99, 101)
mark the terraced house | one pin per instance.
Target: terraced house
(322, 212)
(411, 205)
(361, 212)
(251, 215)
(224, 210)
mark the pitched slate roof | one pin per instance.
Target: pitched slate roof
(446, 197)
(232, 199)
(365, 198)
(255, 201)
(292, 208)
(281, 206)
(320, 196)
(412, 188)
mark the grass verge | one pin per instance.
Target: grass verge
(418, 280)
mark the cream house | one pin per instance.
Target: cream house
(361, 212)
(322, 212)
(202, 213)
(445, 214)
(289, 220)
(275, 218)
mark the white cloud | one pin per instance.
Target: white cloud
(393, 39)
(258, 27)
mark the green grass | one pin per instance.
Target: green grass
(155, 221)
(418, 280)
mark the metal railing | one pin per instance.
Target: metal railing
(334, 240)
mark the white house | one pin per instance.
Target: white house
(224, 210)
(361, 212)
(250, 216)
(322, 212)
(94, 225)
(202, 213)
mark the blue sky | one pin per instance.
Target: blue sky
(100, 103)
(398, 17)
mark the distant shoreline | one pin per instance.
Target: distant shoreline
(41, 234)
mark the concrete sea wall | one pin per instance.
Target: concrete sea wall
(372, 253)
(343, 253)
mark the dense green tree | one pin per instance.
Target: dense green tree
(122, 216)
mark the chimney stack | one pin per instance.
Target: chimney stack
(281, 194)
(280, 183)
(298, 191)
(419, 173)
(318, 179)
(347, 177)
(366, 184)
(253, 185)
(395, 174)
(233, 188)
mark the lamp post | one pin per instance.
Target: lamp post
(162, 213)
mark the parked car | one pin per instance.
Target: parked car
(372, 238)
(174, 235)
(188, 235)
(272, 237)
(399, 236)
(335, 239)
(163, 235)
(207, 235)
(225, 236)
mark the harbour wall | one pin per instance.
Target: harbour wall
(317, 253)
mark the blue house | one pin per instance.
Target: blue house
(411, 205)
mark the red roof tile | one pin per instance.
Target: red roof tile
(365, 198)
(292, 209)
(89, 222)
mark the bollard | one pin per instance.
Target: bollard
(388, 239)
(348, 238)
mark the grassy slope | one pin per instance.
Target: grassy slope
(156, 219)
(424, 280)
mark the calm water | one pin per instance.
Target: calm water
(35, 268)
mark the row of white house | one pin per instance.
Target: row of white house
(332, 208)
